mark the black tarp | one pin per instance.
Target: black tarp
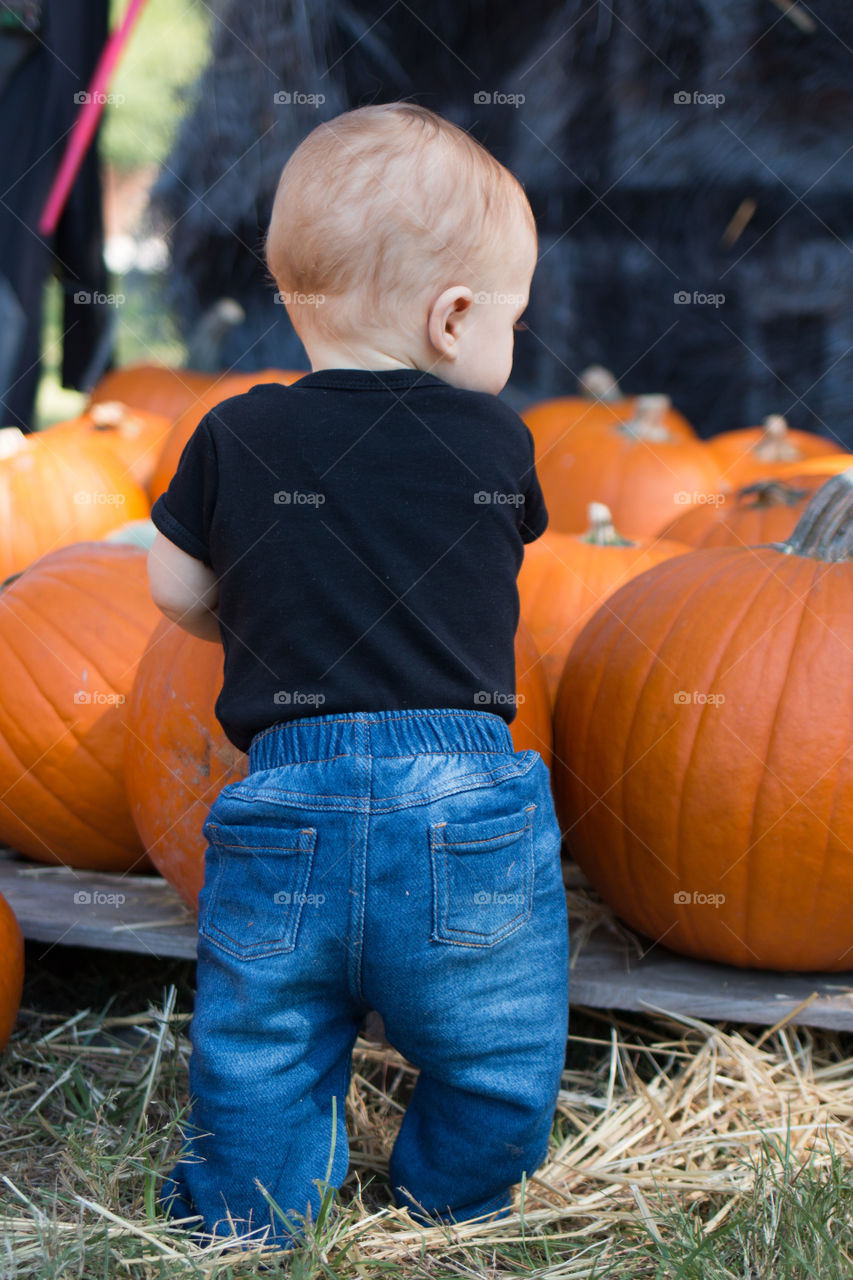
(632, 186)
(41, 70)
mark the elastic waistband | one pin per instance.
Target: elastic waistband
(378, 733)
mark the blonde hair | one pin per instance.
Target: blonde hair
(381, 202)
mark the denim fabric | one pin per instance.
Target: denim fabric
(407, 862)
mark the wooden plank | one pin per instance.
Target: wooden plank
(606, 975)
(97, 908)
(144, 914)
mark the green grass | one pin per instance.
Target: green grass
(144, 332)
(93, 1089)
(168, 46)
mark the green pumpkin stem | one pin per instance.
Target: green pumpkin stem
(825, 529)
(601, 532)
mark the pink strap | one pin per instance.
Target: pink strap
(86, 123)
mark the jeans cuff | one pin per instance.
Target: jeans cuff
(502, 1202)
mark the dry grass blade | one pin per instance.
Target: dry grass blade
(657, 1115)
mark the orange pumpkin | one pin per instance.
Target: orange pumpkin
(639, 467)
(532, 728)
(72, 629)
(600, 404)
(758, 453)
(11, 970)
(703, 771)
(135, 436)
(566, 576)
(831, 464)
(158, 388)
(185, 425)
(765, 511)
(178, 758)
(58, 489)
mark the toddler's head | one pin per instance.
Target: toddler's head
(398, 241)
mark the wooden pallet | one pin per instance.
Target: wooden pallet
(607, 973)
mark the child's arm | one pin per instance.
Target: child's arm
(183, 588)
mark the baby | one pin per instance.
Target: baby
(353, 542)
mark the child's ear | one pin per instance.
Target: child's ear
(446, 317)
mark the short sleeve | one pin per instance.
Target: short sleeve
(183, 513)
(533, 512)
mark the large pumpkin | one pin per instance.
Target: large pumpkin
(765, 511)
(58, 489)
(135, 436)
(600, 403)
(11, 970)
(758, 453)
(532, 727)
(178, 758)
(185, 425)
(72, 629)
(566, 576)
(639, 467)
(830, 464)
(703, 769)
(158, 388)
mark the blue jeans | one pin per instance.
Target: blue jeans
(403, 861)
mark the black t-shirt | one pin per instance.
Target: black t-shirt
(366, 528)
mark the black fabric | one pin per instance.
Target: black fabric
(366, 528)
(634, 176)
(37, 111)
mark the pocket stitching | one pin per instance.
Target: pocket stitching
(239, 950)
(438, 846)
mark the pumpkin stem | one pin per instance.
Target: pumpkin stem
(771, 493)
(825, 529)
(599, 383)
(106, 413)
(647, 422)
(775, 444)
(112, 415)
(601, 532)
(12, 441)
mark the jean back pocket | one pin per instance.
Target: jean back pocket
(255, 887)
(482, 878)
